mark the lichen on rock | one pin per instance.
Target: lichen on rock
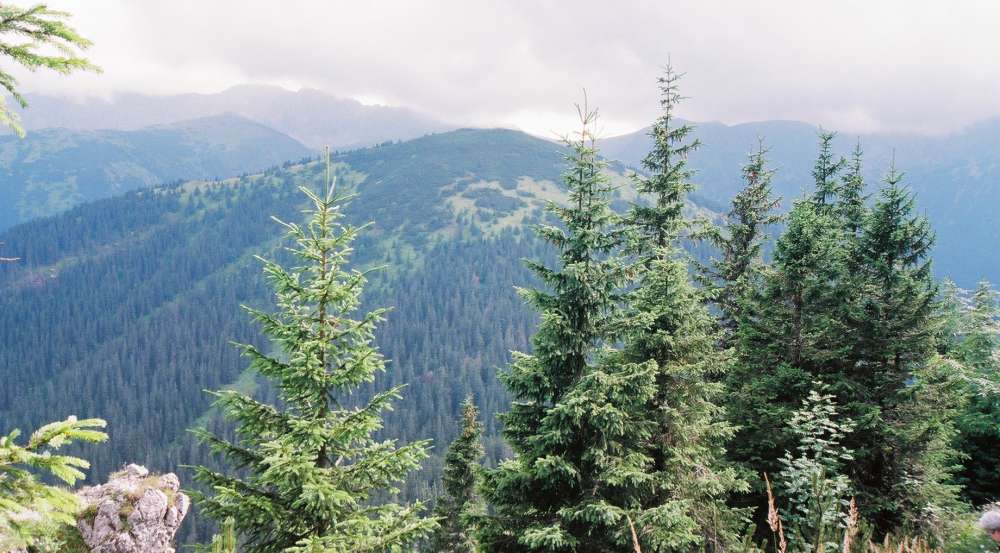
(134, 512)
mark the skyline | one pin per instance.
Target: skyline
(857, 68)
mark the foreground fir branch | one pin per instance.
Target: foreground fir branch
(25, 36)
(312, 466)
(32, 512)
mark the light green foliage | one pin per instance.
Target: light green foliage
(461, 504)
(311, 464)
(25, 34)
(31, 512)
(577, 423)
(812, 480)
(667, 325)
(224, 541)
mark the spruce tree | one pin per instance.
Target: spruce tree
(826, 171)
(791, 328)
(577, 423)
(851, 195)
(979, 422)
(669, 326)
(461, 504)
(789, 334)
(669, 178)
(979, 333)
(895, 288)
(309, 470)
(739, 267)
(950, 318)
(893, 379)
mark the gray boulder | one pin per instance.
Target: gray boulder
(135, 512)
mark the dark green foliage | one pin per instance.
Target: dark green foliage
(788, 333)
(489, 198)
(979, 423)
(826, 171)
(895, 291)
(312, 464)
(576, 424)
(851, 197)
(848, 302)
(738, 267)
(460, 505)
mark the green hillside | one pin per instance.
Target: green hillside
(125, 307)
(54, 169)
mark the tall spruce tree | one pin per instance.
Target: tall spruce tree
(893, 386)
(979, 422)
(577, 423)
(826, 171)
(669, 325)
(739, 267)
(461, 504)
(668, 183)
(851, 195)
(894, 288)
(309, 468)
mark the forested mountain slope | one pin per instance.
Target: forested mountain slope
(52, 170)
(124, 308)
(956, 178)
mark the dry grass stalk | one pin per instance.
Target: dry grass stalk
(773, 519)
(905, 545)
(852, 526)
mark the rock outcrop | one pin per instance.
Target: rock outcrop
(135, 512)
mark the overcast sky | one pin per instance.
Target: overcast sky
(854, 66)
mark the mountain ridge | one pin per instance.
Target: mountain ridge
(52, 170)
(311, 116)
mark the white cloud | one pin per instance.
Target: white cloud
(857, 66)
